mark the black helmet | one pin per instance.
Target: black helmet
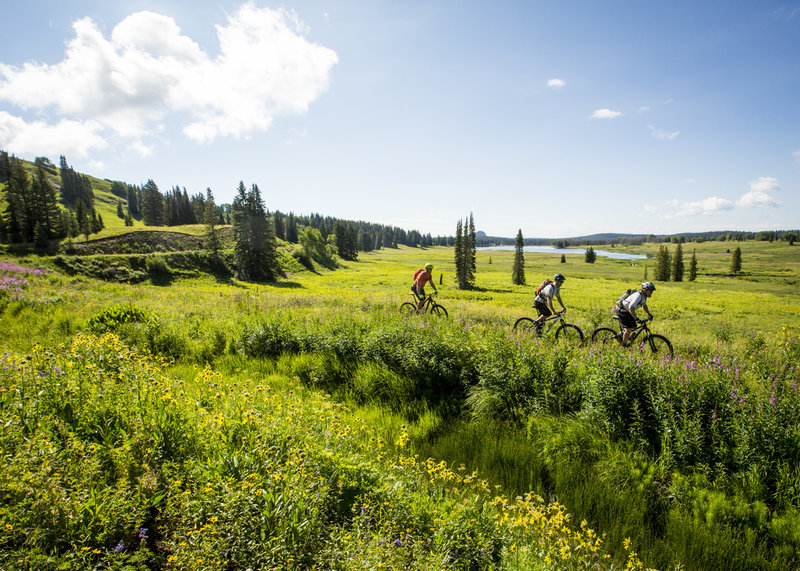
(648, 286)
(559, 277)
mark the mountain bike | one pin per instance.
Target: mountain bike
(428, 306)
(646, 339)
(564, 330)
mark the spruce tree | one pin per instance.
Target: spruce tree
(736, 261)
(590, 256)
(459, 257)
(277, 222)
(210, 220)
(291, 229)
(152, 206)
(254, 237)
(518, 271)
(693, 266)
(470, 253)
(677, 263)
(662, 269)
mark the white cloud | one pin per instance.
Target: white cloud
(663, 135)
(129, 84)
(605, 114)
(644, 109)
(759, 193)
(706, 206)
(796, 156)
(756, 199)
(73, 137)
(765, 184)
(556, 83)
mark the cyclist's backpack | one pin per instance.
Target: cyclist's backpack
(417, 274)
(623, 297)
(543, 285)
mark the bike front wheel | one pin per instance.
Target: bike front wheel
(604, 336)
(527, 325)
(408, 308)
(569, 332)
(658, 345)
(437, 309)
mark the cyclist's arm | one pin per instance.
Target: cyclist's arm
(561, 302)
(647, 310)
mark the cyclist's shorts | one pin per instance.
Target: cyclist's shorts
(626, 319)
(420, 293)
(542, 308)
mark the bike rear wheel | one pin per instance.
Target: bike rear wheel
(658, 345)
(604, 336)
(527, 325)
(437, 309)
(569, 332)
(408, 308)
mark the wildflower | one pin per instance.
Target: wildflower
(398, 543)
(120, 546)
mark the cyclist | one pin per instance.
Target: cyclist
(626, 310)
(543, 302)
(421, 277)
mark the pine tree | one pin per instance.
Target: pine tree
(662, 264)
(590, 256)
(291, 229)
(45, 204)
(677, 263)
(518, 271)
(470, 253)
(277, 222)
(152, 205)
(693, 266)
(210, 220)
(736, 261)
(563, 259)
(459, 257)
(18, 216)
(351, 243)
(254, 236)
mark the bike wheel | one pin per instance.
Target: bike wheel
(658, 345)
(408, 308)
(604, 336)
(437, 309)
(569, 332)
(527, 325)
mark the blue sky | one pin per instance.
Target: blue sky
(556, 118)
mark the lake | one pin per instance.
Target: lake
(571, 251)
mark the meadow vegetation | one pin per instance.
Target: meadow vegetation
(193, 421)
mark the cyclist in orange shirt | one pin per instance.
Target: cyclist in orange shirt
(421, 277)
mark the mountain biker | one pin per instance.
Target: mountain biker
(544, 299)
(627, 310)
(421, 277)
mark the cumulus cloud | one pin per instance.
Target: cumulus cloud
(706, 206)
(556, 83)
(663, 135)
(759, 193)
(41, 138)
(148, 71)
(605, 114)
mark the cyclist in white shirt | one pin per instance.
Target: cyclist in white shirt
(543, 302)
(627, 311)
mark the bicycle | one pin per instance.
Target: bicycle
(428, 306)
(657, 344)
(565, 331)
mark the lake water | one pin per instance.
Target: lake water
(571, 251)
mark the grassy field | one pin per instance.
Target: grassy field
(689, 462)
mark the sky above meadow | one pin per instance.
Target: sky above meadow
(557, 118)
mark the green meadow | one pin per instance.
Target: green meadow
(192, 421)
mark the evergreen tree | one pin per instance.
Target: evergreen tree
(677, 263)
(662, 270)
(152, 205)
(693, 266)
(518, 271)
(291, 229)
(254, 236)
(459, 257)
(277, 222)
(210, 220)
(5, 166)
(133, 202)
(736, 261)
(19, 213)
(470, 254)
(351, 243)
(120, 211)
(45, 209)
(590, 256)
(563, 259)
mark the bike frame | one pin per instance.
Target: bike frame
(556, 319)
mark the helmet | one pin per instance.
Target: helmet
(428, 266)
(558, 277)
(648, 286)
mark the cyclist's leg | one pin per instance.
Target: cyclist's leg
(544, 313)
(628, 323)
